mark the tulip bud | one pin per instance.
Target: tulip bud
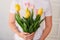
(17, 7)
(27, 15)
(32, 6)
(40, 11)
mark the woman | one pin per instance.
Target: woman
(46, 26)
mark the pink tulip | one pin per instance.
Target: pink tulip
(36, 11)
(32, 6)
(27, 4)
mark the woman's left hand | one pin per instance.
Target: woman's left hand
(31, 36)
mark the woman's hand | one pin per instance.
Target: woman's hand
(30, 36)
(23, 35)
(26, 36)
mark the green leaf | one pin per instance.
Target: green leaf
(38, 17)
(26, 21)
(17, 18)
(31, 29)
(25, 27)
(35, 25)
(42, 20)
(31, 17)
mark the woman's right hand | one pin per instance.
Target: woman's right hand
(24, 35)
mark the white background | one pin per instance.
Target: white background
(7, 34)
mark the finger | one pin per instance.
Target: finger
(25, 33)
(32, 33)
(25, 37)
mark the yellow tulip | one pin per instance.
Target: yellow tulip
(17, 7)
(27, 15)
(40, 11)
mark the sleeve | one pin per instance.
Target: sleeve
(48, 11)
(12, 7)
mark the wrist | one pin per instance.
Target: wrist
(42, 38)
(18, 32)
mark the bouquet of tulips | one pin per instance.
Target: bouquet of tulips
(28, 23)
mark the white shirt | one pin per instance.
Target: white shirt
(45, 4)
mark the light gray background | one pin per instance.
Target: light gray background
(7, 34)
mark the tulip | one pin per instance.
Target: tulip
(17, 7)
(27, 15)
(32, 6)
(27, 4)
(40, 11)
